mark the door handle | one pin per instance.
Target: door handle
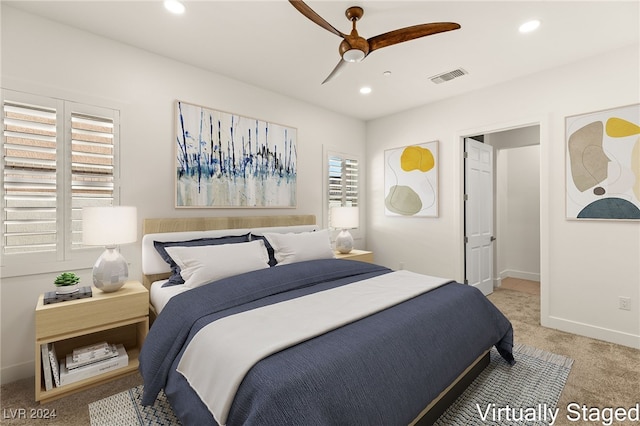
(493, 238)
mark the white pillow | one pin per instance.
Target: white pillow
(202, 264)
(290, 248)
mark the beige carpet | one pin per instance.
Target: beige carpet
(602, 375)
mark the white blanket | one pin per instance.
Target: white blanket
(229, 347)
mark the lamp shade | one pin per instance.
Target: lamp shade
(345, 217)
(109, 226)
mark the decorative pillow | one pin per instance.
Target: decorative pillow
(176, 278)
(291, 248)
(202, 264)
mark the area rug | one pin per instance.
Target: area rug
(523, 392)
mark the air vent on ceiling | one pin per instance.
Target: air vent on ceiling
(450, 75)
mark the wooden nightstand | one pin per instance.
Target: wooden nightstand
(359, 255)
(118, 317)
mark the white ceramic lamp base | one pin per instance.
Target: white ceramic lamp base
(344, 241)
(110, 271)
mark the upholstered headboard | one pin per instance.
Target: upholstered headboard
(172, 229)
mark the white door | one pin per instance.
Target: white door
(479, 215)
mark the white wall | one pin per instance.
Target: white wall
(518, 236)
(46, 58)
(585, 265)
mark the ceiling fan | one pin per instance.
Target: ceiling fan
(354, 48)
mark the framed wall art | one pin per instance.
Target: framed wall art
(411, 180)
(603, 164)
(228, 160)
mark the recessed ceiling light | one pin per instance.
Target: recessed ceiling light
(386, 73)
(529, 26)
(365, 90)
(174, 6)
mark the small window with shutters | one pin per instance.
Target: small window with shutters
(57, 157)
(343, 185)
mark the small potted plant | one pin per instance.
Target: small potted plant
(66, 282)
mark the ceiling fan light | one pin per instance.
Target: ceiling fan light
(353, 55)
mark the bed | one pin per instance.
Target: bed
(306, 339)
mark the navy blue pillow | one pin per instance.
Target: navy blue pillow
(175, 277)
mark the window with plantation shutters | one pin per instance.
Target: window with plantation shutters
(92, 166)
(30, 178)
(57, 157)
(343, 181)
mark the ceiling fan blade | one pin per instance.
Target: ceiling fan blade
(314, 17)
(335, 71)
(409, 33)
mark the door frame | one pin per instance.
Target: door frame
(543, 123)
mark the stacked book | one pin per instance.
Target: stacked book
(92, 360)
(83, 363)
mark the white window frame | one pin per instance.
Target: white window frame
(336, 152)
(64, 257)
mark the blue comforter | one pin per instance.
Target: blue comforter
(383, 369)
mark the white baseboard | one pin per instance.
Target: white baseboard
(594, 332)
(17, 372)
(510, 273)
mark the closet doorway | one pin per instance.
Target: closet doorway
(516, 204)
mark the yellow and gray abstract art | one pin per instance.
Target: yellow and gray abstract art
(603, 164)
(411, 180)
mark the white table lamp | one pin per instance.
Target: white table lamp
(344, 218)
(109, 227)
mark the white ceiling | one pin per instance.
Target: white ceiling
(271, 45)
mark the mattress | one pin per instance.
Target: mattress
(159, 296)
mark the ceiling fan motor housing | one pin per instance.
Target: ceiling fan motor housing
(353, 50)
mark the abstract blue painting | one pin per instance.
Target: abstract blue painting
(227, 160)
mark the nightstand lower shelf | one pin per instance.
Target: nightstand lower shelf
(130, 333)
(59, 392)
